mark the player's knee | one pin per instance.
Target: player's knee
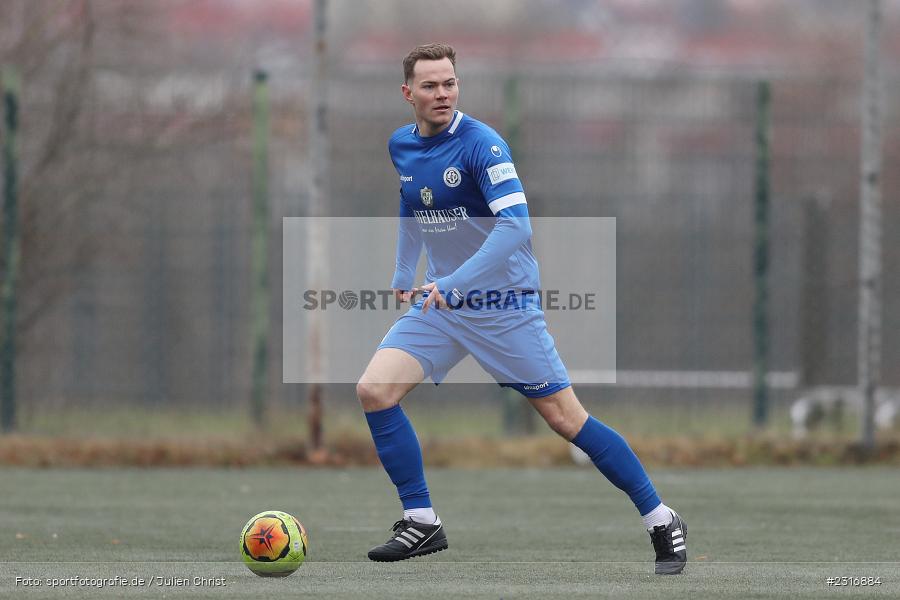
(367, 394)
(565, 423)
(558, 422)
(375, 396)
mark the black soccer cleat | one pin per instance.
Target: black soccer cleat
(670, 543)
(410, 539)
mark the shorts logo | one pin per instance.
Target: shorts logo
(496, 151)
(406, 178)
(452, 177)
(427, 196)
(502, 172)
(534, 388)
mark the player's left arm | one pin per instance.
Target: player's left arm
(512, 229)
(501, 188)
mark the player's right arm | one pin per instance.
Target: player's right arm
(409, 247)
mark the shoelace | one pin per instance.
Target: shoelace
(401, 524)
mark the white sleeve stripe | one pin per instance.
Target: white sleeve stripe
(507, 201)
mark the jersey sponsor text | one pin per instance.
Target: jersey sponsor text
(502, 172)
(430, 217)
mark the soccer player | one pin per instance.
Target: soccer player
(462, 200)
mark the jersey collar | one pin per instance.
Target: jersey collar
(442, 135)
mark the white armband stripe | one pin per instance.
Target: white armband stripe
(507, 201)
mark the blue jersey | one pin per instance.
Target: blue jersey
(455, 189)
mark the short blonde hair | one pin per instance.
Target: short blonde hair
(427, 52)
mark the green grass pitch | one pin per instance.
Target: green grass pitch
(564, 533)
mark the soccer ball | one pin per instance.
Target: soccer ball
(273, 544)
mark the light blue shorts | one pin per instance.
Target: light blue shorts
(513, 346)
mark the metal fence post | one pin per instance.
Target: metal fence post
(11, 250)
(761, 260)
(870, 279)
(260, 264)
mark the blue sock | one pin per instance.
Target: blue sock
(616, 460)
(400, 453)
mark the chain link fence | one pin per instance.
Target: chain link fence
(137, 285)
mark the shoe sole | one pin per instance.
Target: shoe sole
(677, 568)
(674, 571)
(419, 552)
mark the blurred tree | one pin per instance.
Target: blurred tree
(75, 155)
(51, 44)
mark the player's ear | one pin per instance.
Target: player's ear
(407, 93)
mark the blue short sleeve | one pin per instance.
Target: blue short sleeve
(493, 168)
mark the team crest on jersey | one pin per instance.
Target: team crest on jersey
(452, 177)
(427, 196)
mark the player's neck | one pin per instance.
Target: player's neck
(426, 130)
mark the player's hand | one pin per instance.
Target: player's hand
(434, 297)
(405, 295)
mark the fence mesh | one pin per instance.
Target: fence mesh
(136, 283)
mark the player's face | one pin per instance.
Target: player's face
(433, 92)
